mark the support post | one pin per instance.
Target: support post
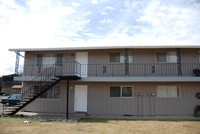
(126, 55)
(17, 62)
(179, 67)
(67, 104)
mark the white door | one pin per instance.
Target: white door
(82, 58)
(80, 98)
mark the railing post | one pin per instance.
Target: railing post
(161, 68)
(179, 65)
(96, 69)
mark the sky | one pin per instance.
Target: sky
(69, 23)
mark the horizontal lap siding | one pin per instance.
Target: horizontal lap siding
(53, 105)
(99, 101)
(179, 106)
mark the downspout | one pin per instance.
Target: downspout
(67, 98)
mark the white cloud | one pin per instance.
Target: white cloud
(97, 1)
(94, 1)
(108, 21)
(107, 9)
(11, 4)
(168, 21)
(61, 23)
(37, 5)
(75, 4)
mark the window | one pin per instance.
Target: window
(53, 93)
(126, 91)
(114, 57)
(39, 59)
(59, 58)
(161, 57)
(121, 91)
(169, 57)
(115, 91)
(165, 91)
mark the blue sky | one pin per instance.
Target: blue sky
(62, 23)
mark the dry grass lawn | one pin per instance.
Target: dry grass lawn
(89, 126)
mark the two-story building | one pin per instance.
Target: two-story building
(112, 80)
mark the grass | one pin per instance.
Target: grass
(92, 126)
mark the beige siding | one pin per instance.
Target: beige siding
(190, 55)
(53, 105)
(99, 101)
(102, 56)
(144, 61)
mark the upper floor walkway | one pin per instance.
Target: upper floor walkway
(118, 70)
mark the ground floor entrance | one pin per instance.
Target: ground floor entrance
(80, 98)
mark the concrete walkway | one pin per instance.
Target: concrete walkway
(45, 117)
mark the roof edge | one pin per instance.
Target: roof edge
(103, 47)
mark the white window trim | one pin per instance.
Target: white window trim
(121, 90)
(179, 94)
(171, 54)
(122, 58)
(168, 54)
(115, 61)
(126, 86)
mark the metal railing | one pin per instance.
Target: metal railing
(140, 70)
(66, 68)
(116, 70)
(45, 79)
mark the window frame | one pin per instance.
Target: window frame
(59, 58)
(121, 92)
(169, 56)
(115, 54)
(45, 95)
(157, 54)
(39, 60)
(168, 91)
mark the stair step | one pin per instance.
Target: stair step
(10, 111)
(30, 95)
(23, 102)
(55, 78)
(45, 84)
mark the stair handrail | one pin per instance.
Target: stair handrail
(41, 77)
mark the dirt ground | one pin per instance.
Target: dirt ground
(94, 126)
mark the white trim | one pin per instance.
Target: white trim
(105, 47)
(126, 86)
(82, 58)
(80, 98)
(177, 87)
(121, 90)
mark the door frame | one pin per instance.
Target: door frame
(82, 58)
(80, 98)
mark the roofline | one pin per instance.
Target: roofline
(104, 47)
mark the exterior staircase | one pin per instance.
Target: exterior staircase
(44, 81)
